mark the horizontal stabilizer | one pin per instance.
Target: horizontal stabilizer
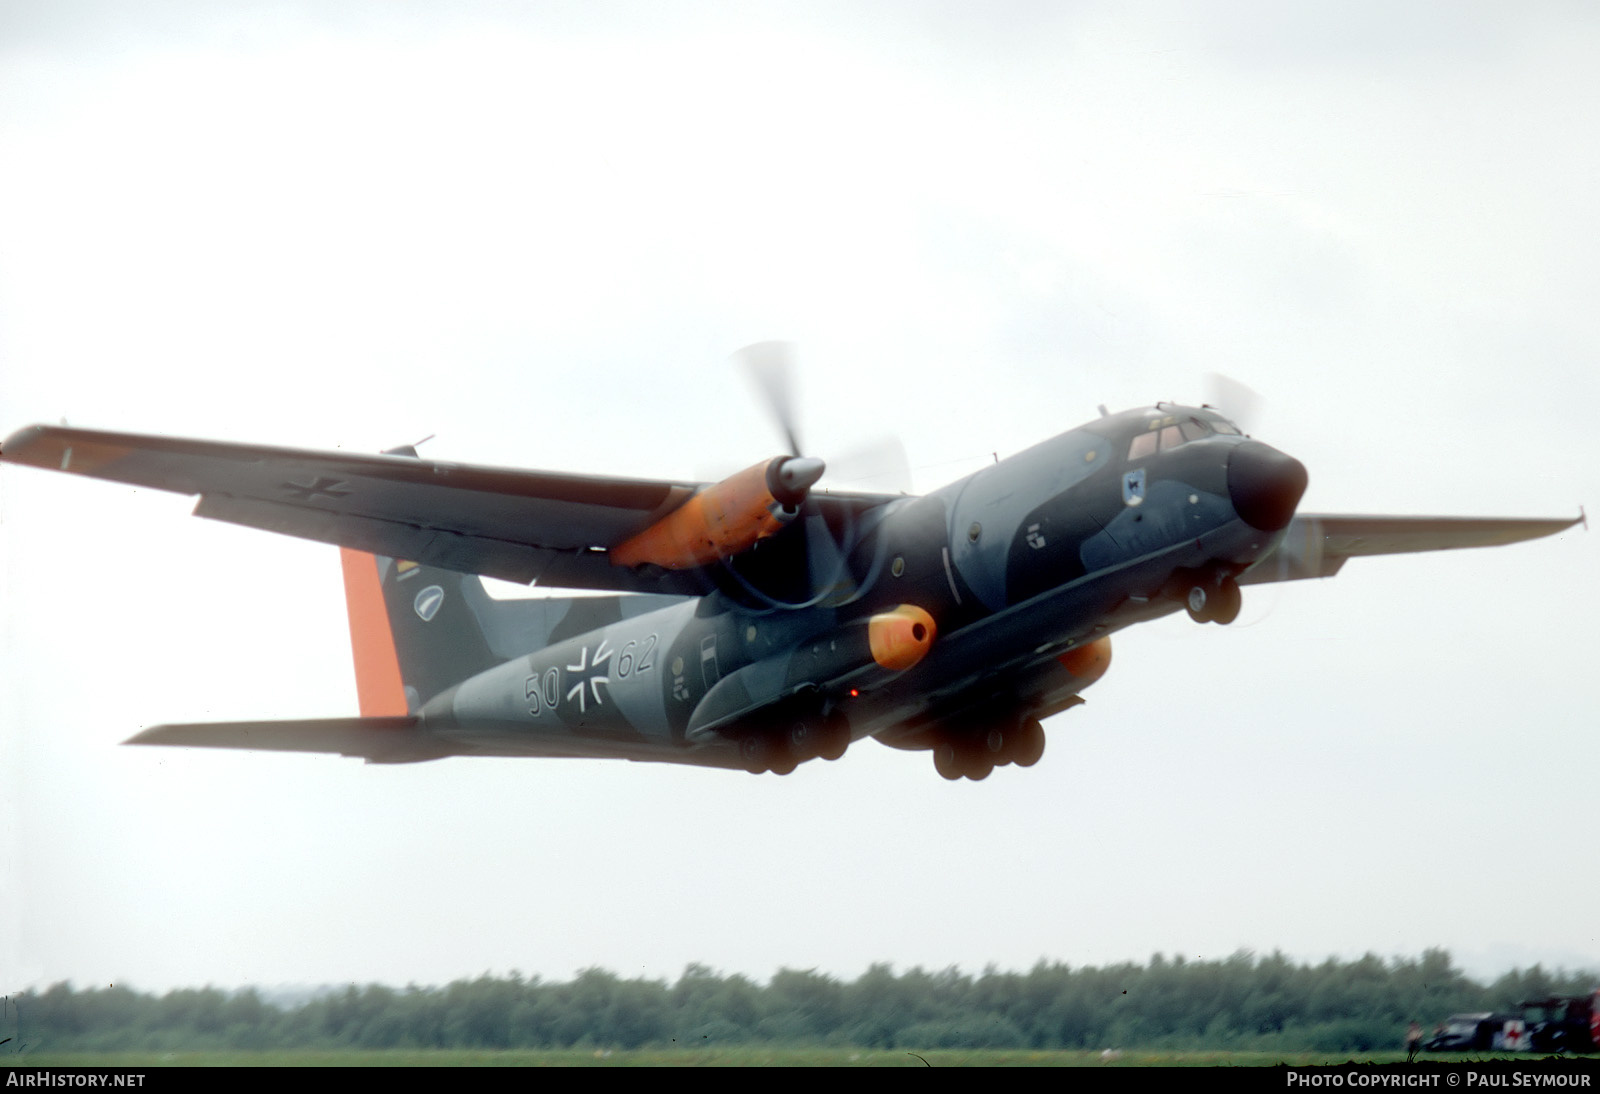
(378, 740)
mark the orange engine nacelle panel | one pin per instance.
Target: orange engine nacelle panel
(901, 637)
(720, 521)
(1088, 662)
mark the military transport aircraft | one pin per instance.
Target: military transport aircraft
(759, 622)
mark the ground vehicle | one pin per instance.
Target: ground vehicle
(1565, 1023)
(1556, 1023)
(1469, 1032)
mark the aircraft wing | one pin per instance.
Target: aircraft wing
(551, 527)
(405, 739)
(1319, 544)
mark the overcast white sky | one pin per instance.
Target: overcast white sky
(538, 230)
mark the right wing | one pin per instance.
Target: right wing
(1319, 544)
(551, 527)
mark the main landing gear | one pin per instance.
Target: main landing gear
(791, 742)
(1213, 602)
(974, 755)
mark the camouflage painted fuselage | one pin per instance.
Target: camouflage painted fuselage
(1025, 566)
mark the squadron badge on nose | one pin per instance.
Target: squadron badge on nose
(1133, 487)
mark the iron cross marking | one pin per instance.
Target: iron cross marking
(590, 674)
(320, 488)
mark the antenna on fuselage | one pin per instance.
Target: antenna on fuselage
(408, 449)
(1104, 413)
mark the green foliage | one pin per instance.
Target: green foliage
(751, 1055)
(1241, 1003)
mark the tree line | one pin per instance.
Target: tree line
(1241, 1002)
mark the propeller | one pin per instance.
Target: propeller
(880, 465)
(1237, 402)
(771, 366)
(1300, 551)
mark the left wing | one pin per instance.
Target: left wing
(407, 739)
(1319, 544)
(552, 527)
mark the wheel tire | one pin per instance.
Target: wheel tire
(996, 747)
(835, 737)
(947, 761)
(1226, 602)
(1029, 743)
(1198, 603)
(978, 767)
(804, 738)
(783, 762)
(756, 753)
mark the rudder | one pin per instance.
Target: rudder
(413, 631)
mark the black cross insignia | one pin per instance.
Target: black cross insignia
(321, 488)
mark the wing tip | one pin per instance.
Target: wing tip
(15, 446)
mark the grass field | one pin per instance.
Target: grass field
(721, 1057)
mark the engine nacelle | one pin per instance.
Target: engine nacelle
(1088, 662)
(901, 637)
(860, 655)
(726, 518)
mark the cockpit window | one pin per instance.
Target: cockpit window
(1169, 437)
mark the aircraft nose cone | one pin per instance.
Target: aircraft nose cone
(1265, 485)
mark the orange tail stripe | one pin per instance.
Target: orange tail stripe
(378, 683)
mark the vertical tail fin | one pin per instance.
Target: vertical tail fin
(414, 631)
(378, 683)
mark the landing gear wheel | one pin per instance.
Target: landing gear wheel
(805, 739)
(760, 752)
(835, 736)
(755, 752)
(978, 766)
(996, 747)
(1226, 602)
(1198, 603)
(947, 761)
(1029, 743)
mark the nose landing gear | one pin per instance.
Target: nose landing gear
(1213, 601)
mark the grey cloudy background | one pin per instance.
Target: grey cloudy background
(538, 230)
